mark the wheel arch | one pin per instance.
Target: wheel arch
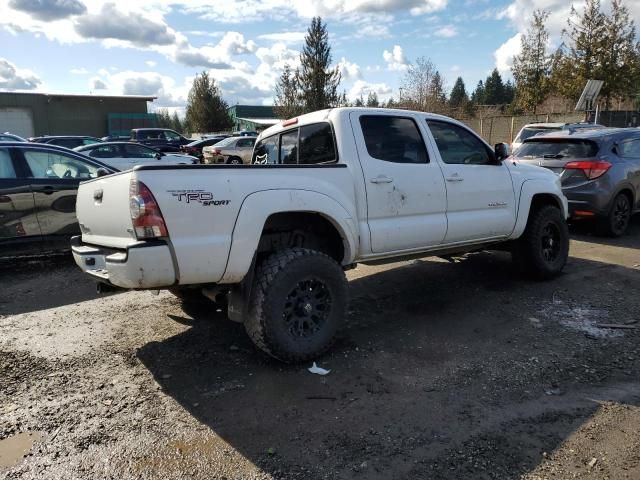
(535, 194)
(278, 212)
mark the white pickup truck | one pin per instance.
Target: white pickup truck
(327, 190)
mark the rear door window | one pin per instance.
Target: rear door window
(393, 139)
(51, 165)
(557, 149)
(630, 149)
(316, 144)
(105, 151)
(6, 165)
(529, 132)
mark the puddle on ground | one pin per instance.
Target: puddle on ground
(13, 448)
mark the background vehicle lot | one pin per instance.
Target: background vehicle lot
(443, 371)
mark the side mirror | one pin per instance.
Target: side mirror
(501, 151)
(102, 172)
(158, 156)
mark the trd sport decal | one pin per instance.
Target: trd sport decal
(197, 196)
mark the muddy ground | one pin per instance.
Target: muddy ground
(444, 371)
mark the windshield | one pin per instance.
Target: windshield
(557, 149)
(528, 132)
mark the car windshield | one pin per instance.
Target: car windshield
(529, 132)
(550, 148)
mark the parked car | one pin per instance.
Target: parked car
(38, 186)
(533, 129)
(345, 186)
(232, 150)
(162, 139)
(125, 155)
(10, 137)
(599, 171)
(245, 133)
(116, 138)
(67, 141)
(195, 148)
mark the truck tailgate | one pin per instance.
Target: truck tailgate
(102, 208)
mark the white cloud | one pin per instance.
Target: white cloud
(362, 89)
(395, 59)
(150, 63)
(97, 83)
(448, 31)
(50, 9)
(505, 53)
(79, 71)
(284, 37)
(349, 70)
(219, 56)
(13, 78)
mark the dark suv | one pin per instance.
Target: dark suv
(162, 139)
(599, 171)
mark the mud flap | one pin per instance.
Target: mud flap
(240, 295)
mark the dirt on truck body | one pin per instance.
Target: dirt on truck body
(445, 370)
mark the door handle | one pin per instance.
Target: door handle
(381, 179)
(454, 179)
(47, 190)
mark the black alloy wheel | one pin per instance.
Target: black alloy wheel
(307, 308)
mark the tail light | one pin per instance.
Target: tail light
(217, 151)
(592, 169)
(145, 212)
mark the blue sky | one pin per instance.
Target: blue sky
(155, 47)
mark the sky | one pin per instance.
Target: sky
(156, 47)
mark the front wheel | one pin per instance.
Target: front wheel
(543, 248)
(234, 161)
(297, 304)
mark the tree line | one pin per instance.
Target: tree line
(595, 45)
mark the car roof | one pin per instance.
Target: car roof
(146, 129)
(55, 148)
(595, 134)
(96, 145)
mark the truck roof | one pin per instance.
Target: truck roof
(327, 114)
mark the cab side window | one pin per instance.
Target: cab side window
(459, 146)
(289, 147)
(393, 139)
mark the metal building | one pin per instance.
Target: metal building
(252, 117)
(35, 114)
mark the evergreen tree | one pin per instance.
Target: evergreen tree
(287, 100)
(206, 110)
(359, 102)
(163, 118)
(176, 124)
(620, 62)
(458, 97)
(478, 95)
(317, 83)
(437, 90)
(532, 67)
(494, 89)
(372, 100)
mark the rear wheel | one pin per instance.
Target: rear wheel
(297, 304)
(543, 248)
(234, 161)
(616, 223)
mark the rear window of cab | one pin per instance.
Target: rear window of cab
(306, 145)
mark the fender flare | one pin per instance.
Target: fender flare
(259, 206)
(528, 190)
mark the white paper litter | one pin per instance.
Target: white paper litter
(318, 370)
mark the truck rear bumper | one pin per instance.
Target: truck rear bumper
(141, 265)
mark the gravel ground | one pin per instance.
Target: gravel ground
(443, 371)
